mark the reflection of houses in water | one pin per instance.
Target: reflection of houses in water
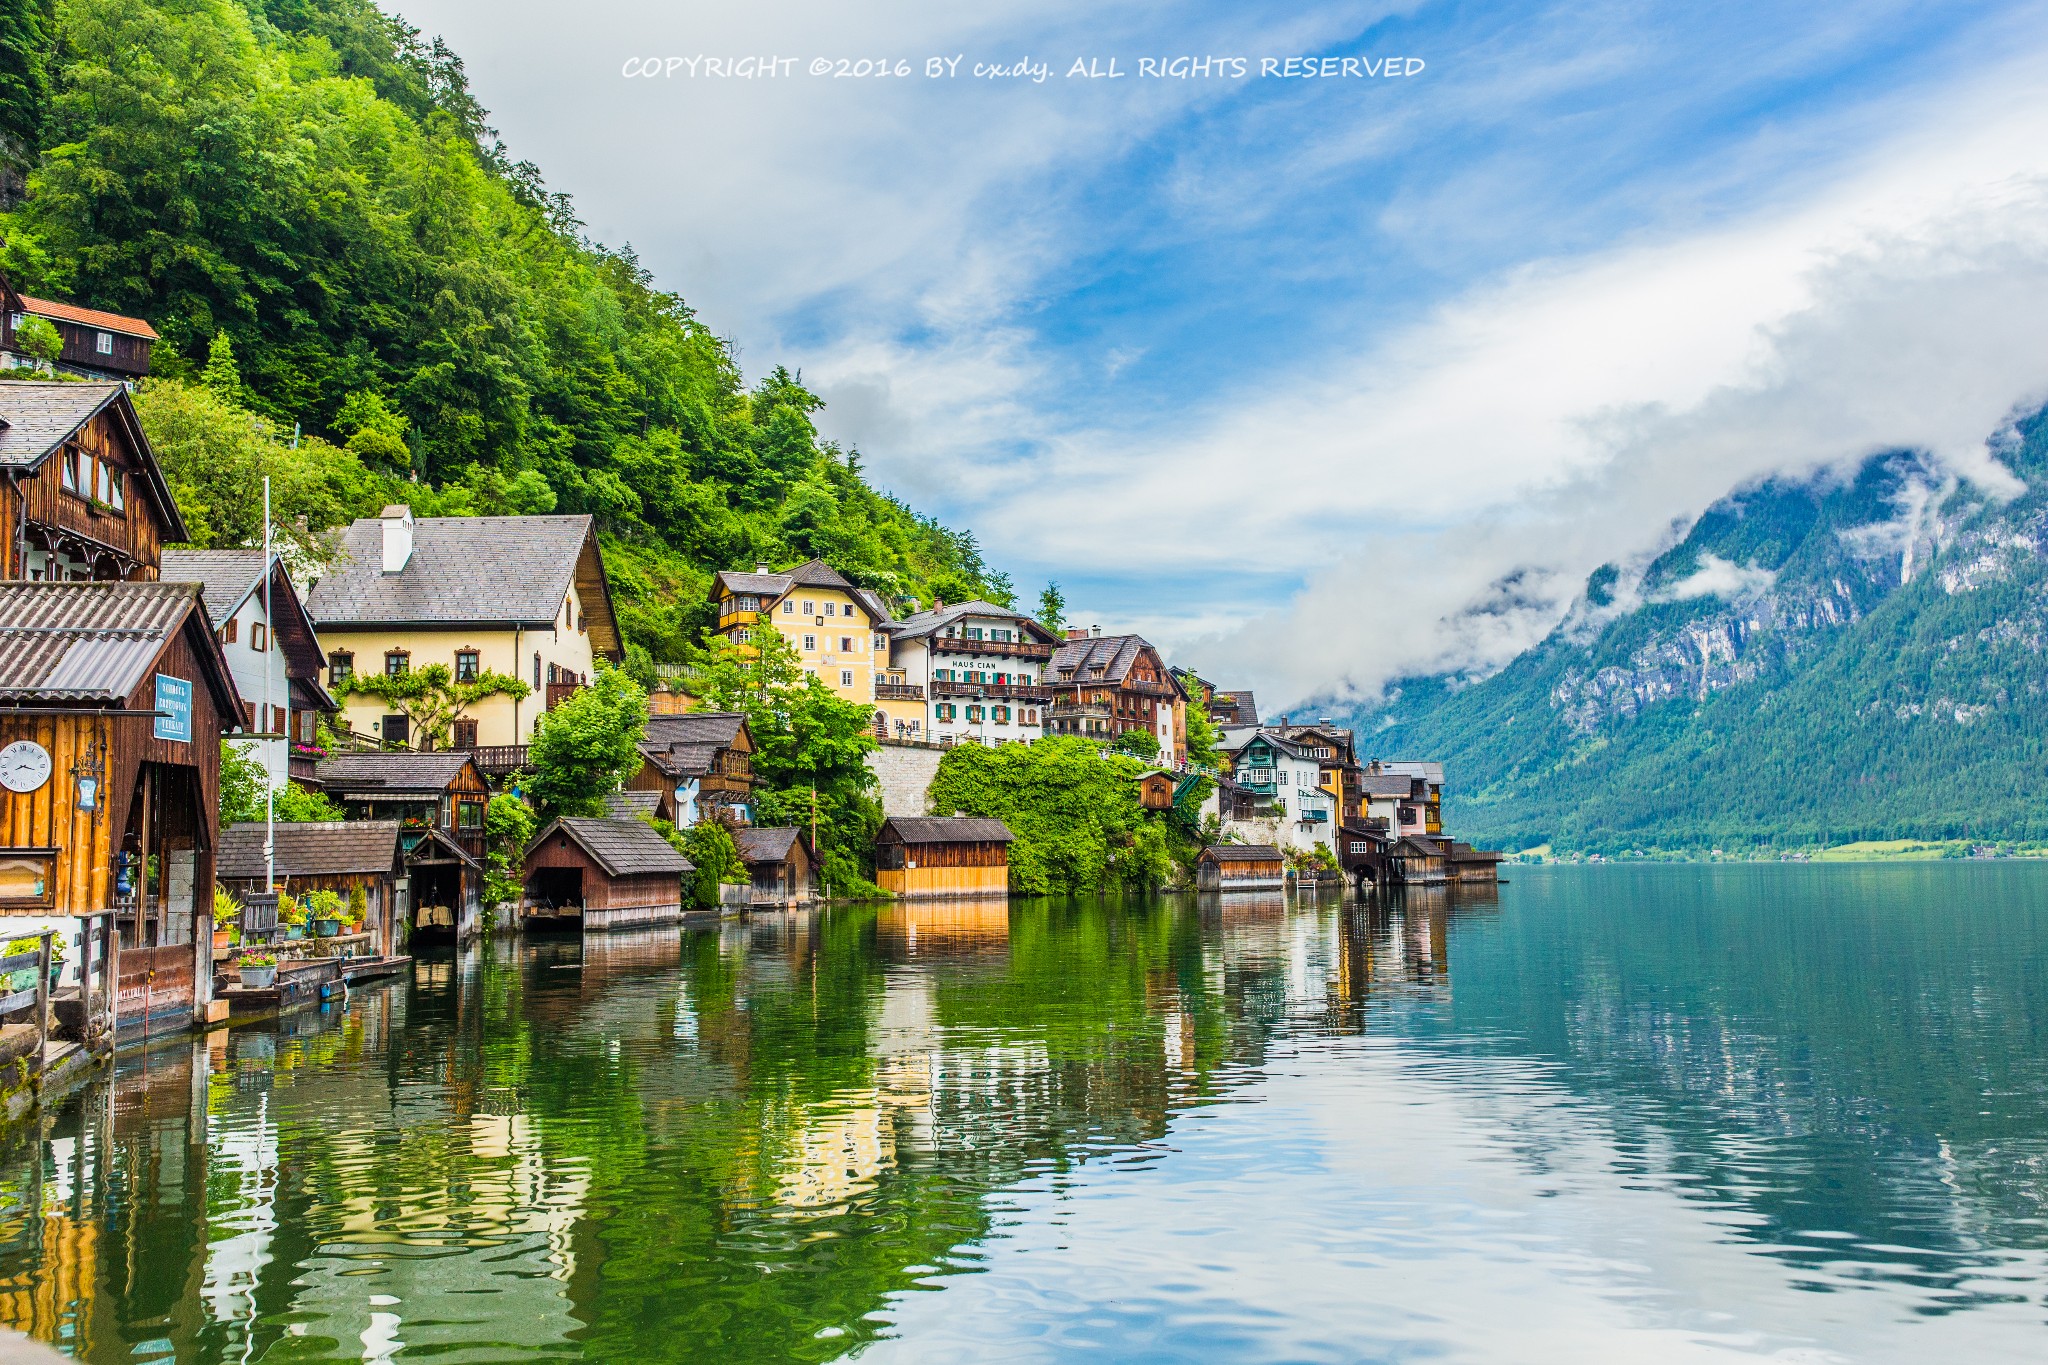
(908, 929)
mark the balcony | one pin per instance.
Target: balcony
(559, 692)
(305, 770)
(1149, 689)
(1024, 692)
(499, 760)
(898, 692)
(1013, 649)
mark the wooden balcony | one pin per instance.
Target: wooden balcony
(305, 769)
(1014, 649)
(499, 760)
(995, 691)
(559, 692)
(898, 692)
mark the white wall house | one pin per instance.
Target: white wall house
(981, 668)
(1294, 810)
(275, 665)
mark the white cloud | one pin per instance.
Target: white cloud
(1717, 577)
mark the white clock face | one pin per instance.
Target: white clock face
(24, 766)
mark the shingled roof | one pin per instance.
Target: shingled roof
(1250, 853)
(932, 622)
(696, 727)
(1078, 661)
(1243, 707)
(318, 848)
(95, 642)
(769, 845)
(622, 848)
(37, 418)
(391, 772)
(947, 829)
(88, 317)
(813, 573)
(227, 576)
(479, 571)
(1400, 785)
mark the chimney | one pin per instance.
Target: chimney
(1076, 633)
(397, 537)
(1323, 720)
(1096, 631)
(760, 568)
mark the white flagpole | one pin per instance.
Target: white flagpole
(270, 648)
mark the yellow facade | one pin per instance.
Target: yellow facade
(944, 881)
(833, 634)
(500, 720)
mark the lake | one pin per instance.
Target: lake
(1616, 1113)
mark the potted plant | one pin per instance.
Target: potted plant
(227, 915)
(258, 970)
(291, 916)
(22, 978)
(323, 907)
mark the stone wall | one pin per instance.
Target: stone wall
(905, 772)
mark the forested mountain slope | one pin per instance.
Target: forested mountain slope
(313, 182)
(1812, 663)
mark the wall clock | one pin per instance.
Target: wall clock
(24, 766)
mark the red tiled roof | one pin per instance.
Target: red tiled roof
(88, 317)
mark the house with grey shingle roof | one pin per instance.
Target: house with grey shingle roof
(81, 494)
(696, 765)
(974, 670)
(600, 874)
(1106, 685)
(524, 599)
(272, 649)
(780, 860)
(835, 628)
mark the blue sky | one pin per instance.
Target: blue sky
(1288, 373)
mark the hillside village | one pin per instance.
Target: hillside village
(384, 709)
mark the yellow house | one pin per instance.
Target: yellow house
(834, 627)
(524, 596)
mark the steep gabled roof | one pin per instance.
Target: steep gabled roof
(630, 805)
(479, 571)
(229, 578)
(1398, 785)
(319, 848)
(930, 623)
(769, 845)
(1103, 659)
(947, 829)
(87, 317)
(96, 642)
(622, 848)
(391, 772)
(816, 573)
(36, 419)
(753, 584)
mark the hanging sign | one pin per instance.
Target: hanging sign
(173, 708)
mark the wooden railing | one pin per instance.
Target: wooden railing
(1016, 649)
(898, 692)
(559, 692)
(997, 691)
(497, 760)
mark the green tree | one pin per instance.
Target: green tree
(1137, 743)
(810, 753)
(585, 749)
(431, 697)
(39, 337)
(713, 854)
(509, 826)
(1204, 742)
(244, 785)
(221, 374)
(28, 32)
(1052, 609)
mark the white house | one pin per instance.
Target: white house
(981, 669)
(276, 662)
(1279, 797)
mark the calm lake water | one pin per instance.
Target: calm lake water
(1664, 1114)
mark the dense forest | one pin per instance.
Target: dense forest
(1816, 662)
(361, 293)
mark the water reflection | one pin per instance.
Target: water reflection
(776, 1140)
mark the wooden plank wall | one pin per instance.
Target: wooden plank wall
(48, 817)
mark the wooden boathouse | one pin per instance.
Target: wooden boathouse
(1241, 867)
(929, 856)
(341, 856)
(780, 862)
(598, 875)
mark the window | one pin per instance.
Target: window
(1030, 717)
(115, 496)
(810, 608)
(103, 483)
(84, 473)
(465, 665)
(536, 670)
(397, 730)
(881, 643)
(789, 606)
(341, 666)
(830, 607)
(846, 677)
(309, 727)
(743, 635)
(945, 710)
(230, 631)
(976, 712)
(105, 342)
(974, 632)
(1000, 714)
(846, 644)
(259, 637)
(70, 474)
(397, 663)
(810, 642)
(469, 815)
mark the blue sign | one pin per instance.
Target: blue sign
(173, 709)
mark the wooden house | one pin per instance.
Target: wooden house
(607, 874)
(1241, 867)
(1105, 685)
(81, 496)
(97, 343)
(113, 699)
(921, 856)
(1155, 790)
(1464, 863)
(326, 855)
(438, 800)
(1418, 860)
(271, 648)
(697, 765)
(780, 860)
(524, 597)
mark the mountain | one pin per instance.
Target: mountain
(304, 198)
(1846, 658)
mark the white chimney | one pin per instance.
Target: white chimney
(397, 538)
